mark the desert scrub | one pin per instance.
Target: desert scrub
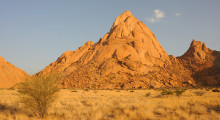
(147, 94)
(179, 92)
(86, 90)
(199, 93)
(167, 92)
(74, 91)
(38, 93)
(215, 90)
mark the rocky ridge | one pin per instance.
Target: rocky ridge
(130, 56)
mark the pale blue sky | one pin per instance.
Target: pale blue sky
(34, 33)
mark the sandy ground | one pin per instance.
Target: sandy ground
(193, 104)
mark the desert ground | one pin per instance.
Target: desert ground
(149, 104)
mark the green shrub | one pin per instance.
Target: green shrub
(38, 93)
(215, 90)
(179, 92)
(199, 93)
(147, 94)
(86, 90)
(167, 92)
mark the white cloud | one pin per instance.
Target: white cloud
(158, 15)
(151, 20)
(177, 14)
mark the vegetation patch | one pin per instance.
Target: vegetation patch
(86, 90)
(179, 92)
(167, 92)
(147, 94)
(199, 93)
(38, 93)
(215, 90)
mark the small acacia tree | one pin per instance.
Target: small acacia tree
(38, 93)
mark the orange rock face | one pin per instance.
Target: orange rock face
(128, 56)
(9, 74)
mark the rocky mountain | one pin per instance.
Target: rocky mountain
(9, 74)
(203, 63)
(129, 56)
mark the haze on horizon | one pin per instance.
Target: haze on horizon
(33, 34)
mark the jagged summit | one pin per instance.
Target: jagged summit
(197, 50)
(129, 27)
(123, 18)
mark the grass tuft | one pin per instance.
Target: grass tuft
(167, 92)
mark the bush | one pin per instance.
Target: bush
(215, 90)
(179, 92)
(199, 93)
(167, 92)
(147, 94)
(86, 90)
(38, 93)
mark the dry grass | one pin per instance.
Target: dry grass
(123, 105)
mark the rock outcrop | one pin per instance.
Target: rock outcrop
(10, 75)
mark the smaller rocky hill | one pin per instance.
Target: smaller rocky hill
(9, 74)
(203, 63)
